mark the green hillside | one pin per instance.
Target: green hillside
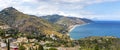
(26, 23)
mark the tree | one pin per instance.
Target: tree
(53, 49)
(21, 47)
(2, 33)
(8, 45)
(40, 47)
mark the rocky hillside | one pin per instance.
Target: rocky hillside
(27, 23)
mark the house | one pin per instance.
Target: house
(22, 39)
(4, 27)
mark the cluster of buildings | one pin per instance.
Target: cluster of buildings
(14, 43)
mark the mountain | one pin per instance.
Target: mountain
(27, 23)
(65, 21)
(50, 24)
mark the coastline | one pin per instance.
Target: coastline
(73, 27)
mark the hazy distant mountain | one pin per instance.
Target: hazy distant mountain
(64, 20)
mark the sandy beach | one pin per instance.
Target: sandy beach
(73, 27)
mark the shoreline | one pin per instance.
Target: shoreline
(73, 27)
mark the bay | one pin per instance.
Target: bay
(97, 28)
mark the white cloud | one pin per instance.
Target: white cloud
(45, 7)
(83, 1)
(68, 1)
(98, 1)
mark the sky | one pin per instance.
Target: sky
(91, 9)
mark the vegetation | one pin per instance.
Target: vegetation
(14, 33)
(99, 43)
(21, 47)
(89, 43)
(27, 23)
(40, 47)
(32, 27)
(8, 44)
(63, 20)
(52, 49)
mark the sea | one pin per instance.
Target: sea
(96, 28)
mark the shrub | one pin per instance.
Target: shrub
(53, 49)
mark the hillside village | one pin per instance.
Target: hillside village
(28, 43)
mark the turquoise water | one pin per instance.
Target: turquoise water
(98, 28)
